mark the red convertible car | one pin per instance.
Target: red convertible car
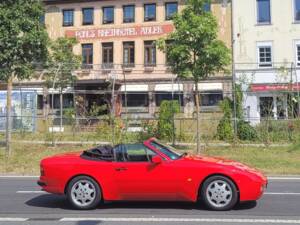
(149, 171)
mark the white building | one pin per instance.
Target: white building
(267, 56)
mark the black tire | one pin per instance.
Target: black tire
(210, 198)
(95, 195)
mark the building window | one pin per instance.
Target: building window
(108, 15)
(171, 9)
(263, 11)
(265, 56)
(107, 55)
(298, 54)
(168, 44)
(68, 17)
(87, 16)
(168, 96)
(136, 99)
(150, 12)
(211, 98)
(207, 7)
(297, 10)
(87, 56)
(128, 54)
(150, 53)
(128, 13)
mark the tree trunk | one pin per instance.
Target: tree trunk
(198, 117)
(61, 110)
(8, 115)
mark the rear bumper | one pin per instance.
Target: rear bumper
(41, 183)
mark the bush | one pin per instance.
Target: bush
(225, 130)
(149, 129)
(246, 132)
(166, 127)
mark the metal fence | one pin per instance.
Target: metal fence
(116, 114)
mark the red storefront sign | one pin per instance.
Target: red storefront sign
(124, 32)
(274, 87)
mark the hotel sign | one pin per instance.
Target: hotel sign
(124, 32)
(274, 87)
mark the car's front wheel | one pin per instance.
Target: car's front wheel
(83, 193)
(219, 193)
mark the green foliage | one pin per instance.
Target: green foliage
(246, 132)
(166, 128)
(195, 51)
(23, 39)
(61, 63)
(70, 116)
(225, 129)
(97, 110)
(149, 129)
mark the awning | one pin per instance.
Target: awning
(135, 88)
(209, 86)
(169, 87)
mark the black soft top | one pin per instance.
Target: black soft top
(104, 152)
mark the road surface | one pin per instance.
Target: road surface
(22, 202)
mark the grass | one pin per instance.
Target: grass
(280, 161)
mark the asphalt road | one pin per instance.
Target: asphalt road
(22, 202)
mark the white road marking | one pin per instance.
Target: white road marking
(13, 219)
(207, 220)
(283, 178)
(34, 177)
(31, 192)
(282, 193)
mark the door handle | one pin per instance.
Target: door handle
(121, 169)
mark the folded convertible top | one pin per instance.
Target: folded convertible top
(105, 153)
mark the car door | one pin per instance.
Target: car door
(137, 178)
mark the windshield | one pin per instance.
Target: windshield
(166, 149)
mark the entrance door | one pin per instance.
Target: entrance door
(266, 105)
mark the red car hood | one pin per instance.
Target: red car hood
(225, 162)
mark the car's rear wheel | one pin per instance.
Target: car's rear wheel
(83, 193)
(219, 193)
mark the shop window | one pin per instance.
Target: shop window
(171, 9)
(150, 12)
(68, 17)
(150, 53)
(136, 99)
(266, 105)
(281, 107)
(87, 16)
(128, 54)
(108, 15)
(211, 98)
(87, 56)
(297, 10)
(107, 55)
(263, 11)
(167, 96)
(265, 56)
(128, 13)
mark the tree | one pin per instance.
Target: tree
(195, 52)
(60, 67)
(23, 44)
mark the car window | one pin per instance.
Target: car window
(167, 150)
(133, 153)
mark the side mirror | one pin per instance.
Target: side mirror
(156, 159)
